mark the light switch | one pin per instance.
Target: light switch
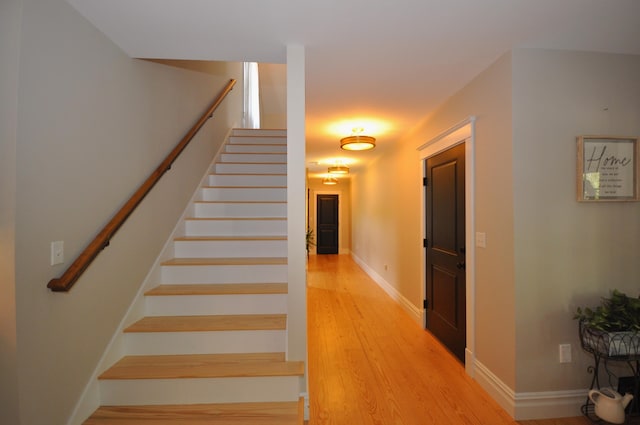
(57, 252)
(481, 239)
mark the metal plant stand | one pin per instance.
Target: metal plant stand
(608, 350)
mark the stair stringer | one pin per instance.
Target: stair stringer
(90, 399)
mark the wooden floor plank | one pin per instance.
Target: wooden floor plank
(209, 323)
(370, 363)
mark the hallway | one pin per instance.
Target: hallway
(370, 363)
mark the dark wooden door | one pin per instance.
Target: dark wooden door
(327, 224)
(445, 228)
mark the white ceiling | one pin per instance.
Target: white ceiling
(389, 61)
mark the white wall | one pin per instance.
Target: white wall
(10, 18)
(568, 254)
(92, 125)
(296, 218)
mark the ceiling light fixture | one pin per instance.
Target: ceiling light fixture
(330, 180)
(338, 169)
(357, 142)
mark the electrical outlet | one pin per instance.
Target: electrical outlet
(565, 353)
(57, 252)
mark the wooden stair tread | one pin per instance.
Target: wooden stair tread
(243, 187)
(219, 289)
(231, 322)
(247, 174)
(244, 173)
(251, 163)
(265, 152)
(240, 202)
(257, 144)
(230, 238)
(256, 153)
(236, 218)
(232, 261)
(203, 366)
(278, 413)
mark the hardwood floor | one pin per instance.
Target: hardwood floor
(370, 363)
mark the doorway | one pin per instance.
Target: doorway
(461, 133)
(327, 224)
(445, 244)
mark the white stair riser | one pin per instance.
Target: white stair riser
(269, 158)
(227, 248)
(240, 210)
(271, 132)
(248, 180)
(244, 168)
(224, 274)
(236, 228)
(196, 305)
(236, 148)
(203, 390)
(215, 342)
(267, 138)
(243, 194)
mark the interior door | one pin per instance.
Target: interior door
(327, 224)
(445, 248)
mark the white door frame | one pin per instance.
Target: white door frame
(463, 132)
(314, 217)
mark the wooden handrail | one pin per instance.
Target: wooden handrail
(101, 241)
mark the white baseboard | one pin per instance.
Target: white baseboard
(497, 389)
(413, 311)
(307, 413)
(530, 405)
(549, 404)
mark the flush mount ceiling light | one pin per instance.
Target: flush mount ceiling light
(338, 169)
(330, 180)
(357, 141)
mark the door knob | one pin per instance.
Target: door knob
(461, 265)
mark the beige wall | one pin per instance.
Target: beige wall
(217, 68)
(568, 253)
(546, 253)
(92, 125)
(343, 189)
(273, 95)
(10, 18)
(387, 217)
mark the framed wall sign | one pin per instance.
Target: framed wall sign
(608, 168)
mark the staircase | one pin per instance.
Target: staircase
(211, 345)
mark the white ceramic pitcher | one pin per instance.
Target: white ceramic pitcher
(610, 404)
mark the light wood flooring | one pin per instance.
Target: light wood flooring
(370, 363)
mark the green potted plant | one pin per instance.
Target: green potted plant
(613, 327)
(309, 238)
